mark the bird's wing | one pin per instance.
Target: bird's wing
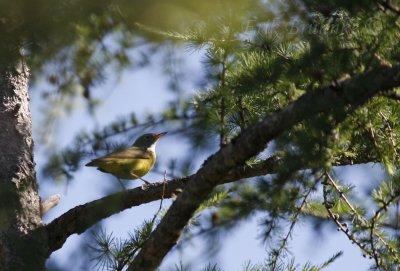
(131, 153)
(128, 155)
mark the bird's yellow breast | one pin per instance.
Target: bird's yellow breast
(128, 168)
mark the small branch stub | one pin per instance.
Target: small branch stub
(49, 203)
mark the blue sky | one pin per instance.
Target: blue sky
(144, 91)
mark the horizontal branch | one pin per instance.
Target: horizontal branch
(348, 93)
(82, 217)
(78, 219)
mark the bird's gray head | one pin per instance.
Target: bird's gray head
(147, 140)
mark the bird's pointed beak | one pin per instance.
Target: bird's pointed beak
(157, 136)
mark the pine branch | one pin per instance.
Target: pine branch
(339, 191)
(288, 235)
(153, 220)
(386, 205)
(341, 226)
(373, 253)
(82, 217)
(223, 140)
(349, 93)
(362, 219)
(77, 219)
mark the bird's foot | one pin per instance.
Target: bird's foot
(146, 184)
(121, 184)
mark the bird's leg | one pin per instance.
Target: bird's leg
(121, 183)
(146, 183)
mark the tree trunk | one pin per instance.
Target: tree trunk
(19, 198)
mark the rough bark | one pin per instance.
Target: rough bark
(81, 217)
(19, 199)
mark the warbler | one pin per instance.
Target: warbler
(131, 163)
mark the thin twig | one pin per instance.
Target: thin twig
(371, 241)
(364, 222)
(394, 197)
(341, 226)
(386, 204)
(223, 139)
(390, 129)
(332, 182)
(151, 222)
(121, 184)
(294, 221)
(162, 198)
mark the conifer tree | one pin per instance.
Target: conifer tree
(293, 91)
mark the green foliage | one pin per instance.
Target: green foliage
(290, 266)
(110, 253)
(258, 58)
(387, 192)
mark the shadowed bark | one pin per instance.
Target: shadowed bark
(19, 199)
(80, 218)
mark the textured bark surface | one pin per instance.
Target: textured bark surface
(19, 199)
(80, 218)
